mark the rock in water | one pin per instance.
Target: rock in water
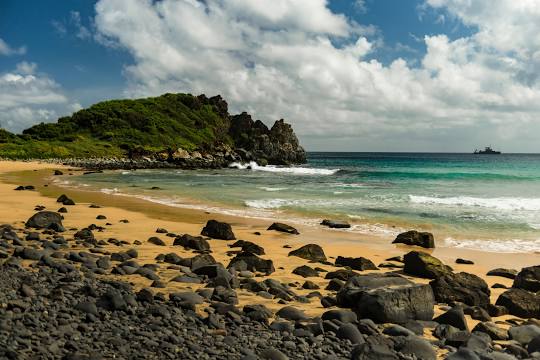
(44, 219)
(387, 298)
(251, 262)
(521, 303)
(424, 265)
(218, 230)
(413, 237)
(336, 224)
(359, 263)
(528, 279)
(312, 252)
(283, 228)
(461, 287)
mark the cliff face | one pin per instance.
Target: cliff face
(254, 141)
(179, 130)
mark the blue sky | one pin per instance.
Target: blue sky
(81, 53)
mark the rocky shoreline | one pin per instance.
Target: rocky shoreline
(62, 296)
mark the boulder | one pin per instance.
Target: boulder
(520, 303)
(218, 230)
(291, 313)
(506, 273)
(249, 261)
(156, 241)
(44, 219)
(454, 317)
(523, 334)
(350, 332)
(336, 224)
(305, 271)
(387, 298)
(528, 279)
(359, 263)
(461, 287)
(312, 252)
(192, 242)
(495, 332)
(423, 265)
(283, 228)
(341, 274)
(413, 237)
(248, 246)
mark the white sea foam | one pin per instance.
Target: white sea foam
(502, 203)
(113, 191)
(496, 245)
(271, 189)
(296, 170)
(269, 203)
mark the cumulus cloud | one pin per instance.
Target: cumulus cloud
(27, 98)
(299, 60)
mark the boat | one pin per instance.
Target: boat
(487, 151)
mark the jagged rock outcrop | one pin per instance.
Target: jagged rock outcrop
(255, 142)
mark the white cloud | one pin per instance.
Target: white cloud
(298, 60)
(27, 98)
(7, 50)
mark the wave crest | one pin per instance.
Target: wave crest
(496, 245)
(502, 203)
(295, 170)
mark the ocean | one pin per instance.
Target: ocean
(482, 202)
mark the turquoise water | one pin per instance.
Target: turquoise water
(489, 202)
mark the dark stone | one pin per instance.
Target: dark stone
(283, 228)
(87, 307)
(387, 298)
(305, 271)
(335, 285)
(454, 317)
(62, 210)
(291, 313)
(341, 274)
(312, 252)
(44, 219)
(85, 235)
(528, 279)
(257, 312)
(413, 237)
(464, 261)
(251, 262)
(161, 231)
(494, 332)
(192, 242)
(416, 347)
(218, 230)
(310, 285)
(506, 273)
(374, 350)
(350, 332)
(156, 241)
(342, 315)
(461, 287)
(534, 345)
(101, 217)
(273, 354)
(423, 265)
(359, 263)
(520, 303)
(336, 224)
(524, 334)
(249, 247)
(477, 313)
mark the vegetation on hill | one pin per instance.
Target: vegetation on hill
(123, 127)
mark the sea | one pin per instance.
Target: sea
(480, 202)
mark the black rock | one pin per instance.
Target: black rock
(218, 230)
(524, 334)
(454, 317)
(416, 347)
(44, 219)
(283, 228)
(161, 231)
(249, 247)
(461, 287)
(335, 285)
(156, 241)
(305, 271)
(413, 237)
(310, 285)
(341, 274)
(534, 345)
(342, 315)
(528, 279)
(312, 252)
(251, 262)
(350, 332)
(423, 265)
(387, 298)
(506, 273)
(464, 261)
(257, 312)
(520, 303)
(85, 235)
(192, 242)
(359, 263)
(495, 332)
(291, 313)
(62, 210)
(336, 224)
(374, 350)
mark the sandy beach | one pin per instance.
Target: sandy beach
(145, 217)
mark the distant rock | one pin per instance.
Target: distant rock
(336, 224)
(413, 237)
(506, 273)
(312, 252)
(423, 265)
(283, 228)
(218, 230)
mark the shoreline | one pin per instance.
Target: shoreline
(114, 235)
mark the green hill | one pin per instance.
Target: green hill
(173, 124)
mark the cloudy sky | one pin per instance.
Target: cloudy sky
(358, 75)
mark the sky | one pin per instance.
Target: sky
(357, 75)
